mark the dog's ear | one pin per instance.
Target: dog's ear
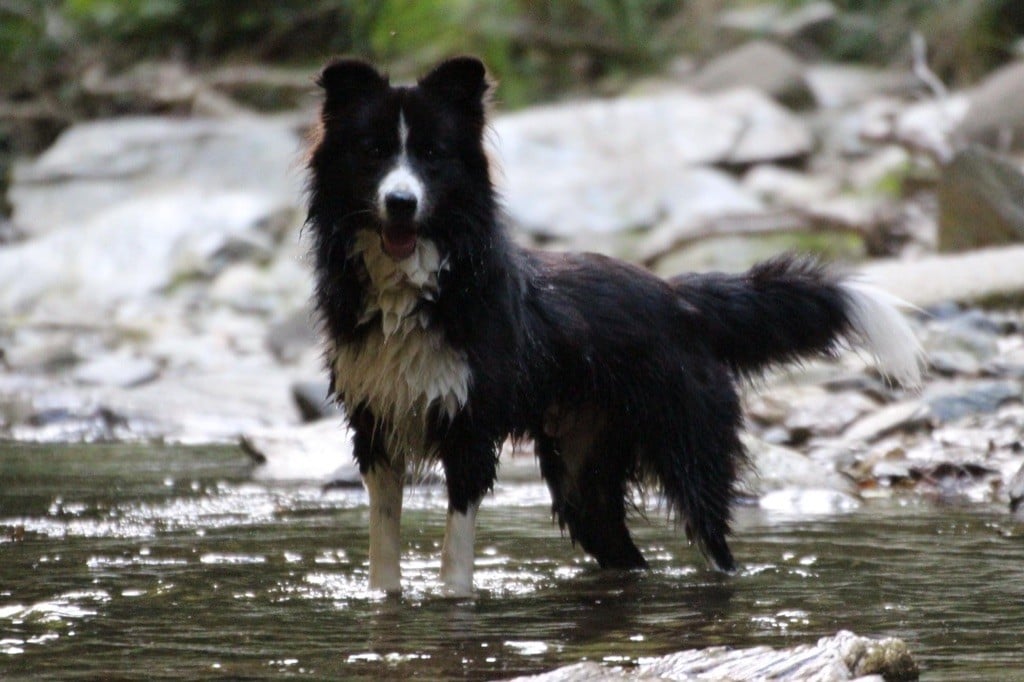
(460, 80)
(349, 80)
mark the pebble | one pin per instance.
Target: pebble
(974, 399)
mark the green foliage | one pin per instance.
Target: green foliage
(535, 47)
(27, 52)
(538, 49)
(966, 38)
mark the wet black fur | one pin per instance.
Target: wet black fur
(618, 376)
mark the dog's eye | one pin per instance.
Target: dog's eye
(372, 147)
(433, 152)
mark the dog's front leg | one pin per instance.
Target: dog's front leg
(457, 554)
(384, 484)
(470, 467)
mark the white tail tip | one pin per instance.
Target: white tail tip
(880, 328)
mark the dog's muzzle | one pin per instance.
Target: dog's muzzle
(398, 234)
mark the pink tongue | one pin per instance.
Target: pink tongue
(398, 243)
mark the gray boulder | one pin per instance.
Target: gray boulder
(761, 65)
(995, 117)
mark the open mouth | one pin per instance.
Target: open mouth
(398, 239)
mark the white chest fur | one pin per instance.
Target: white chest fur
(402, 367)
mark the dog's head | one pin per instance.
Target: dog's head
(405, 161)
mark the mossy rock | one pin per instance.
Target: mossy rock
(981, 201)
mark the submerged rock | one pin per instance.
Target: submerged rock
(844, 656)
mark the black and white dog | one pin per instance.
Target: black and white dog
(444, 338)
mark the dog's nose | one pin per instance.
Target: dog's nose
(400, 205)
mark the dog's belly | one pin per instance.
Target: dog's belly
(401, 377)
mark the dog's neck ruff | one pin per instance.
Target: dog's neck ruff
(396, 288)
(402, 367)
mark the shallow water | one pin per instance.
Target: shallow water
(149, 562)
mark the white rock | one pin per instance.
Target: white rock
(117, 370)
(601, 166)
(789, 188)
(217, 405)
(841, 85)
(928, 126)
(318, 451)
(776, 468)
(808, 502)
(93, 166)
(129, 250)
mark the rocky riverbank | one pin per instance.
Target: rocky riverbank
(154, 284)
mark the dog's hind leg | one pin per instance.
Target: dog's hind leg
(698, 462)
(470, 468)
(587, 471)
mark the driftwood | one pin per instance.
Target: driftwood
(751, 225)
(973, 276)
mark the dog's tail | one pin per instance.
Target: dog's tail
(789, 308)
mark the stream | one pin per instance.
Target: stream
(153, 561)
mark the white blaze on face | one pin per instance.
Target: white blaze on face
(402, 179)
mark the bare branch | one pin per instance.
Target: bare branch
(919, 63)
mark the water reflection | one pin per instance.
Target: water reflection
(173, 561)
